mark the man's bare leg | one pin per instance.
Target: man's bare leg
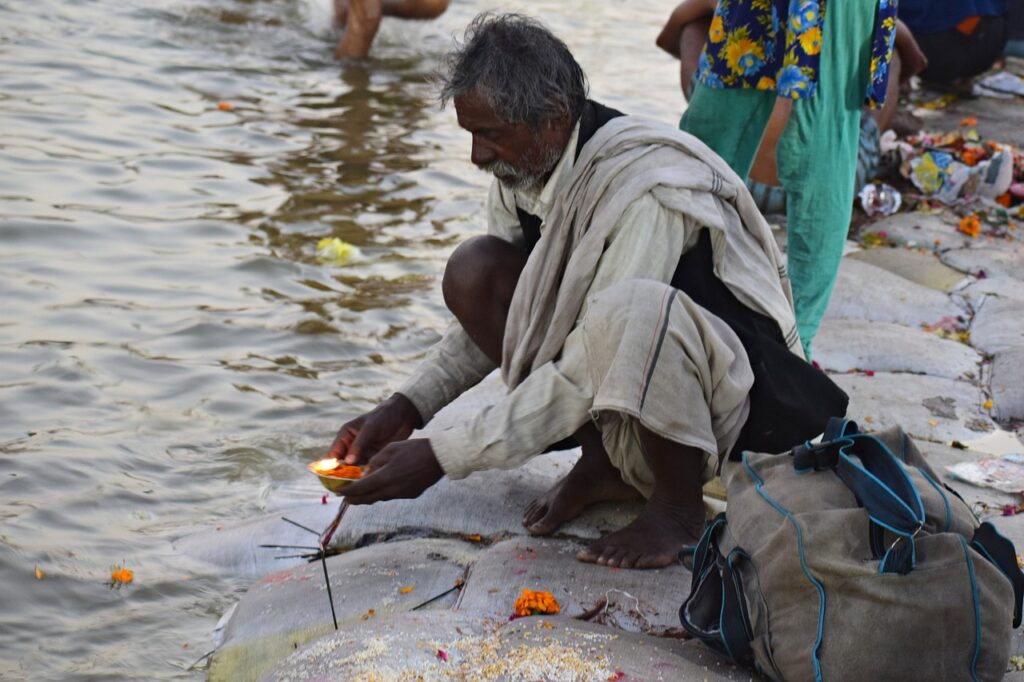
(672, 518)
(478, 284)
(592, 479)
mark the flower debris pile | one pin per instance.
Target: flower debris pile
(980, 180)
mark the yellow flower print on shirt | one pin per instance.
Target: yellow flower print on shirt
(810, 40)
(717, 32)
(743, 55)
(767, 44)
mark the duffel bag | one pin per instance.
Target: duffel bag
(850, 560)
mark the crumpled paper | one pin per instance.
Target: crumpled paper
(1004, 473)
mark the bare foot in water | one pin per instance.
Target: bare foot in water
(653, 540)
(593, 479)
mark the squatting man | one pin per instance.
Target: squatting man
(610, 240)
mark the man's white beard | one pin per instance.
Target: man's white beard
(516, 178)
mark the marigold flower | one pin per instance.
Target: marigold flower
(532, 603)
(119, 575)
(970, 225)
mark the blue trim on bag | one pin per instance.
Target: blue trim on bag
(918, 516)
(721, 630)
(980, 549)
(977, 609)
(945, 500)
(758, 485)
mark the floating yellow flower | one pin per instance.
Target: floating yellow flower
(743, 55)
(531, 603)
(336, 251)
(39, 573)
(407, 589)
(810, 40)
(717, 32)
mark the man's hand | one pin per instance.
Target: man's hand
(363, 437)
(400, 470)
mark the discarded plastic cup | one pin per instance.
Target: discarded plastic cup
(880, 199)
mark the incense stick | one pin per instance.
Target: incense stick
(305, 528)
(330, 597)
(457, 586)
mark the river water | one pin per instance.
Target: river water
(171, 350)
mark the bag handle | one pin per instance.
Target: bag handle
(1000, 551)
(878, 480)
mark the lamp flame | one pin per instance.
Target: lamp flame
(325, 465)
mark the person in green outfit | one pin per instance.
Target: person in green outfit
(823, 66)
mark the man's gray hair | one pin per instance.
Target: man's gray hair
(522, 69)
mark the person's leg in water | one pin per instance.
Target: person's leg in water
(361, 20)
(674, 515)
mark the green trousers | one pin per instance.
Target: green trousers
(816, 155)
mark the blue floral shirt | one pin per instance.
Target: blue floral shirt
(776, 45)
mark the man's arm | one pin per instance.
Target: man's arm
(685, 13)
(554, 401)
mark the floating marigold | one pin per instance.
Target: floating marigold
(225, 106)
(119, 575)
(1004, 200)
(533, 603)
(969, 121)
(970, 225)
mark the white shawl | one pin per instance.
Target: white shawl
(626, 158)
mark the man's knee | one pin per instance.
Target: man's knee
(627, 298)
(481, 270)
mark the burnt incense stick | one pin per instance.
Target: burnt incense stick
(290, 547)
(325, 537)
(296, 523)
(457, 586)
(330, 597)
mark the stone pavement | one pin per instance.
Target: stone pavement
(925, 330)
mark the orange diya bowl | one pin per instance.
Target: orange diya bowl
(335, 474)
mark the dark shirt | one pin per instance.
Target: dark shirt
(933, 16)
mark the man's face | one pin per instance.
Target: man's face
(518, 156)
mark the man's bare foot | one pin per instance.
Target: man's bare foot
(593, 479)
(653, 540)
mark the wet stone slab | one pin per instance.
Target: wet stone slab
(1002, 287)
(923, 268)
(459, 646)
(636, 601)
(286, 609)
(1005, 260)
(844, 345)
(866, 292)
(489, 504)
(1007, 384)
(998, 325)
(932, 232)
(922, 405)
